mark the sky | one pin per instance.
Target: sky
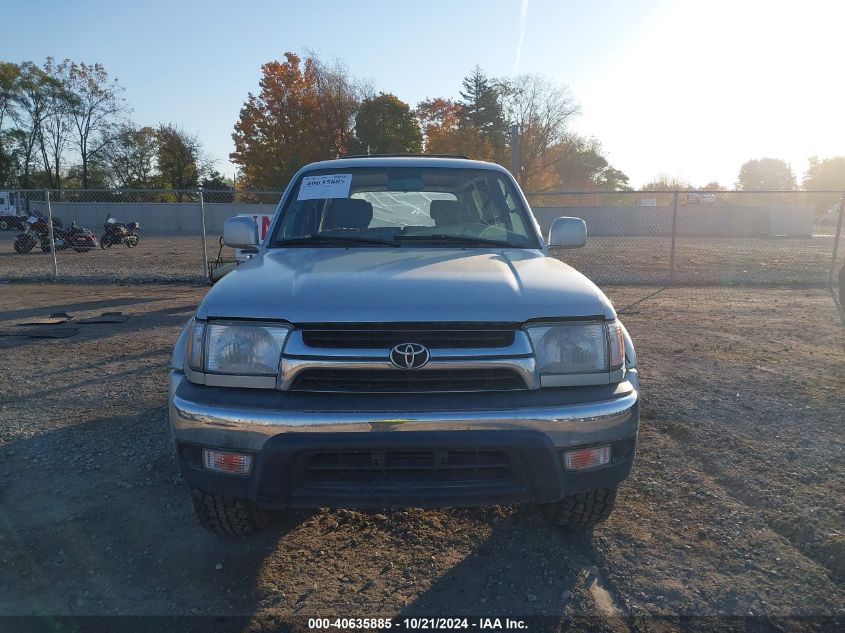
(689, 89)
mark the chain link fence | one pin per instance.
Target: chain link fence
(658, 238)
(126, 235)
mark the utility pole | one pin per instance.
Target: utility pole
(516, 163)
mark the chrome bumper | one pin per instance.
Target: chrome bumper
(240, 424)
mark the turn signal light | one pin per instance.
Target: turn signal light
(587, 457)
(225, 462)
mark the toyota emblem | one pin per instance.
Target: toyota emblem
(409, 356)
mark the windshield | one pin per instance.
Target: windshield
(393, 206)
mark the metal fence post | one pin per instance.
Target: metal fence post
(50, 229)
(836, 243)
(674, 233)
(204, 249)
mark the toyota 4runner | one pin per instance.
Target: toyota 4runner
(402, 337)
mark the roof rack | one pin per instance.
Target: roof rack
(405, 156)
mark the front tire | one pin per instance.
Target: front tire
(222, 514)
(584, 510)
(4, 225)
(131, 240)
(24, 244)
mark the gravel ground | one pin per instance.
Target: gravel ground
(735, 506)
(606, 260)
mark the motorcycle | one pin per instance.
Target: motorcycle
(37, 230)
(120, 233)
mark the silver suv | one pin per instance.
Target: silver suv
(402, 337)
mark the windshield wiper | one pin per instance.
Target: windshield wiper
(333, 239)
(450, 239)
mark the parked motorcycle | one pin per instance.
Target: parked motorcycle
(37, 231)
(78, 238)
(120, 233)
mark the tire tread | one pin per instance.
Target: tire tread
(223, 514)
(585, 509)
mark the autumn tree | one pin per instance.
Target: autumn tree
(385, 125)
(439, 119)
(302, 113)
(770, 174)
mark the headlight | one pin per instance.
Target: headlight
(239, 349)
(575, 348)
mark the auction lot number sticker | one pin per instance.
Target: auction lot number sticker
(322, 187)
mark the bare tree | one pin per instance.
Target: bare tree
(55, 129)
(338, 100)
(542, 111)
(34, 97)
(97, 108)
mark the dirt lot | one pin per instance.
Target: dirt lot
(735, 506)
(606, 260)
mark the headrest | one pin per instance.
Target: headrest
(348, 213)
(449, 212)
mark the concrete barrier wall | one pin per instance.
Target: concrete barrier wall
(156, 218)
(162, 218)
(693, 220)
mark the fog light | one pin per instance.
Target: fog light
(587, 457)
(224, 462)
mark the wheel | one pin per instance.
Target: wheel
(24, 244)
(583, 510)
(223, 514)
(4, 224)
(131, 240)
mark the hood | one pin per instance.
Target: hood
(337, 285)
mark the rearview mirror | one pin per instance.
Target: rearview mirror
(568, 233)
(240, 232)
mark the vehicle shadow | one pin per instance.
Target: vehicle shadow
(527, 567)
(96, 520)
(10, 315)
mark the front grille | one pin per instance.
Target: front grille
(407, 381)
(387, 338)
(408, 466)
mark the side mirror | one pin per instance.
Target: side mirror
(240, 232)
(568, 233)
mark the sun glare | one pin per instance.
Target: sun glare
(733, 80)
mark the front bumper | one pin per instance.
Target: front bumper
(445, 449)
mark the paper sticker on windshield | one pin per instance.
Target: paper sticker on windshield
(319, 187)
